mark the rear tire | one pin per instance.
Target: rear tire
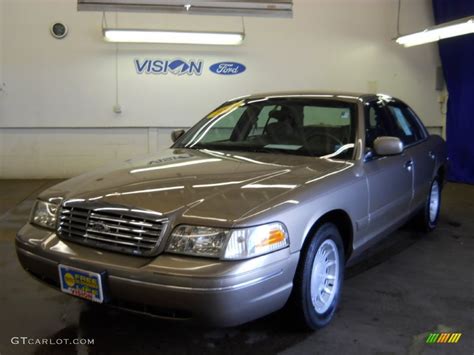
(428, 217)
(319, 277)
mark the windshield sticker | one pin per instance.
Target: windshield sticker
(283, 146)
(225, 109)
(345, 115)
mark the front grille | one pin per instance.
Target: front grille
(115, 228)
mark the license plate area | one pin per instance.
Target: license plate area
(82, 283)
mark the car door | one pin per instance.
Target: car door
(389, 178)
(414, 137)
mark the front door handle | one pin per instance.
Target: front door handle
(431, 155)
(409, 165)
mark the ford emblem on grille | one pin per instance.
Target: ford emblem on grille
(99, 227)
(114, 228)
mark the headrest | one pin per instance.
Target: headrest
(283, 114)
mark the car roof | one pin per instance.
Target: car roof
(337, 95)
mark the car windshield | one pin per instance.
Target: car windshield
(301, 126)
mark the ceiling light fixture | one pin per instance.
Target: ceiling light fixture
(175, 37)
(263, 8)
(433, 34)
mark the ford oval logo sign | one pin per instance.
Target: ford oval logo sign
(227, 68)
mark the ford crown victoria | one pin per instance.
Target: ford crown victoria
(261, 204)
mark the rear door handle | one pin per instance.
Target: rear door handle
(432, 155)
(409, 165)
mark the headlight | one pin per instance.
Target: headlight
(229, 244)
(44, 214)
(199, 241)
(250, 242)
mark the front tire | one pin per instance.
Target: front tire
(318, 281)
(428, 217)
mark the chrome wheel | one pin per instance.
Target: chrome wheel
(325, 276)
(434, 201)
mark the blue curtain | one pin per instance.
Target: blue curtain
(457, 57)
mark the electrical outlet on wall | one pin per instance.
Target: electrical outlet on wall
(442, 97)
(117, 109)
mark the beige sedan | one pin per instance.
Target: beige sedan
(261, 204)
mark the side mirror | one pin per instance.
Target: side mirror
(176, 134)
(388, 146)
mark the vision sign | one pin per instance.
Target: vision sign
(188, 67)
(174, 66)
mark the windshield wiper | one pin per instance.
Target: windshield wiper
(252, 149)
(220, 147)
(301, 151)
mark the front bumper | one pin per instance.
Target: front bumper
(217, 293)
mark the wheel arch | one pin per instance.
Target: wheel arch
(343, 223)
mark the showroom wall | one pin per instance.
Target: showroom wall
(1, 46)
(56, 108)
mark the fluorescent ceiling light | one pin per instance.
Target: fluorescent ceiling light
(176, 37)
(433, 34)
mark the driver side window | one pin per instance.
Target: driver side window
(406, 127)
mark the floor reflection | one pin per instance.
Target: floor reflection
(116, 331)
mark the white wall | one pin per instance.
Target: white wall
(1, 46)
(57, 91)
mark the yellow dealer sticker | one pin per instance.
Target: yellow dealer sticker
(69, 279)
(225, 109)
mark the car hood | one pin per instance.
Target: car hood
(196, 184)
